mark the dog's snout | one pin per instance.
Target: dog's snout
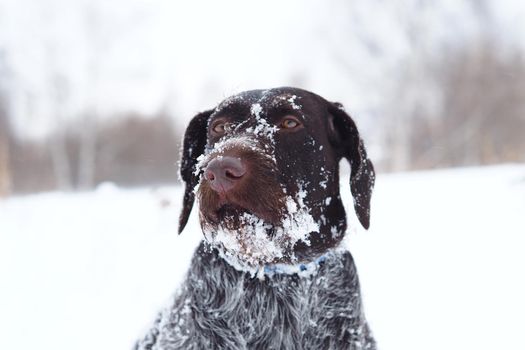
(224, 173)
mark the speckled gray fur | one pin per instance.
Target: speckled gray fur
(219, 307)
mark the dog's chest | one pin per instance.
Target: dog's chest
(222, 307)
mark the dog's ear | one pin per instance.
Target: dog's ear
(194, 144)
(344, 136)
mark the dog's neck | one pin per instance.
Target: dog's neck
(302, 269)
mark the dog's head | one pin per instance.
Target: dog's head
(265, 167)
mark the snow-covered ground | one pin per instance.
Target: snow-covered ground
(442, 266)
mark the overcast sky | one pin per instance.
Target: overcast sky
(105, 57)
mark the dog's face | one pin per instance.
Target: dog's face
(264, 165)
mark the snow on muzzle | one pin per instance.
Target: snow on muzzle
(238, 175)
(256, 221)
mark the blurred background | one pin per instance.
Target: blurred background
(94, 99)
(101, 91)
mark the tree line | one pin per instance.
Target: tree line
(127, 150)
(464, 108)
(461, 106)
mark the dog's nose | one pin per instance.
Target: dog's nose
(224, 173)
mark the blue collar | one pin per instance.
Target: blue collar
(303, 269)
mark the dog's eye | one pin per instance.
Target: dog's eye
(290, 123)
(221, 127)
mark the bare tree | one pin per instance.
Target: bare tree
(87, 151)
(5, 171)
(405, 89)
(97, 43)
(101, 33)
(57, 143)
(413, 95)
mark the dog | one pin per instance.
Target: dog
(271, 272)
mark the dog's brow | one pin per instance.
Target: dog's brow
(279, 113)
(227, 116)
(287, 100)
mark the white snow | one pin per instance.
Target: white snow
(256, 110)
(255, 248)
(262, 127)
(293, 103)
(441, 267)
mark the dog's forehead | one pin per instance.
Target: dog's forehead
(261, 103)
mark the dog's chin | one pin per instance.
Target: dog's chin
(244, 239)
(237, 219)
(230, 211)
(218, 210)
(248, 241)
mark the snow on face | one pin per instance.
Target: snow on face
(292, 102)
(256, 110)
(262, 127)
(253, 243)
(289, 100)
(252, 246)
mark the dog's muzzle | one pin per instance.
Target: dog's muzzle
(239, 175)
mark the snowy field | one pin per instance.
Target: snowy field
(442, 267)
